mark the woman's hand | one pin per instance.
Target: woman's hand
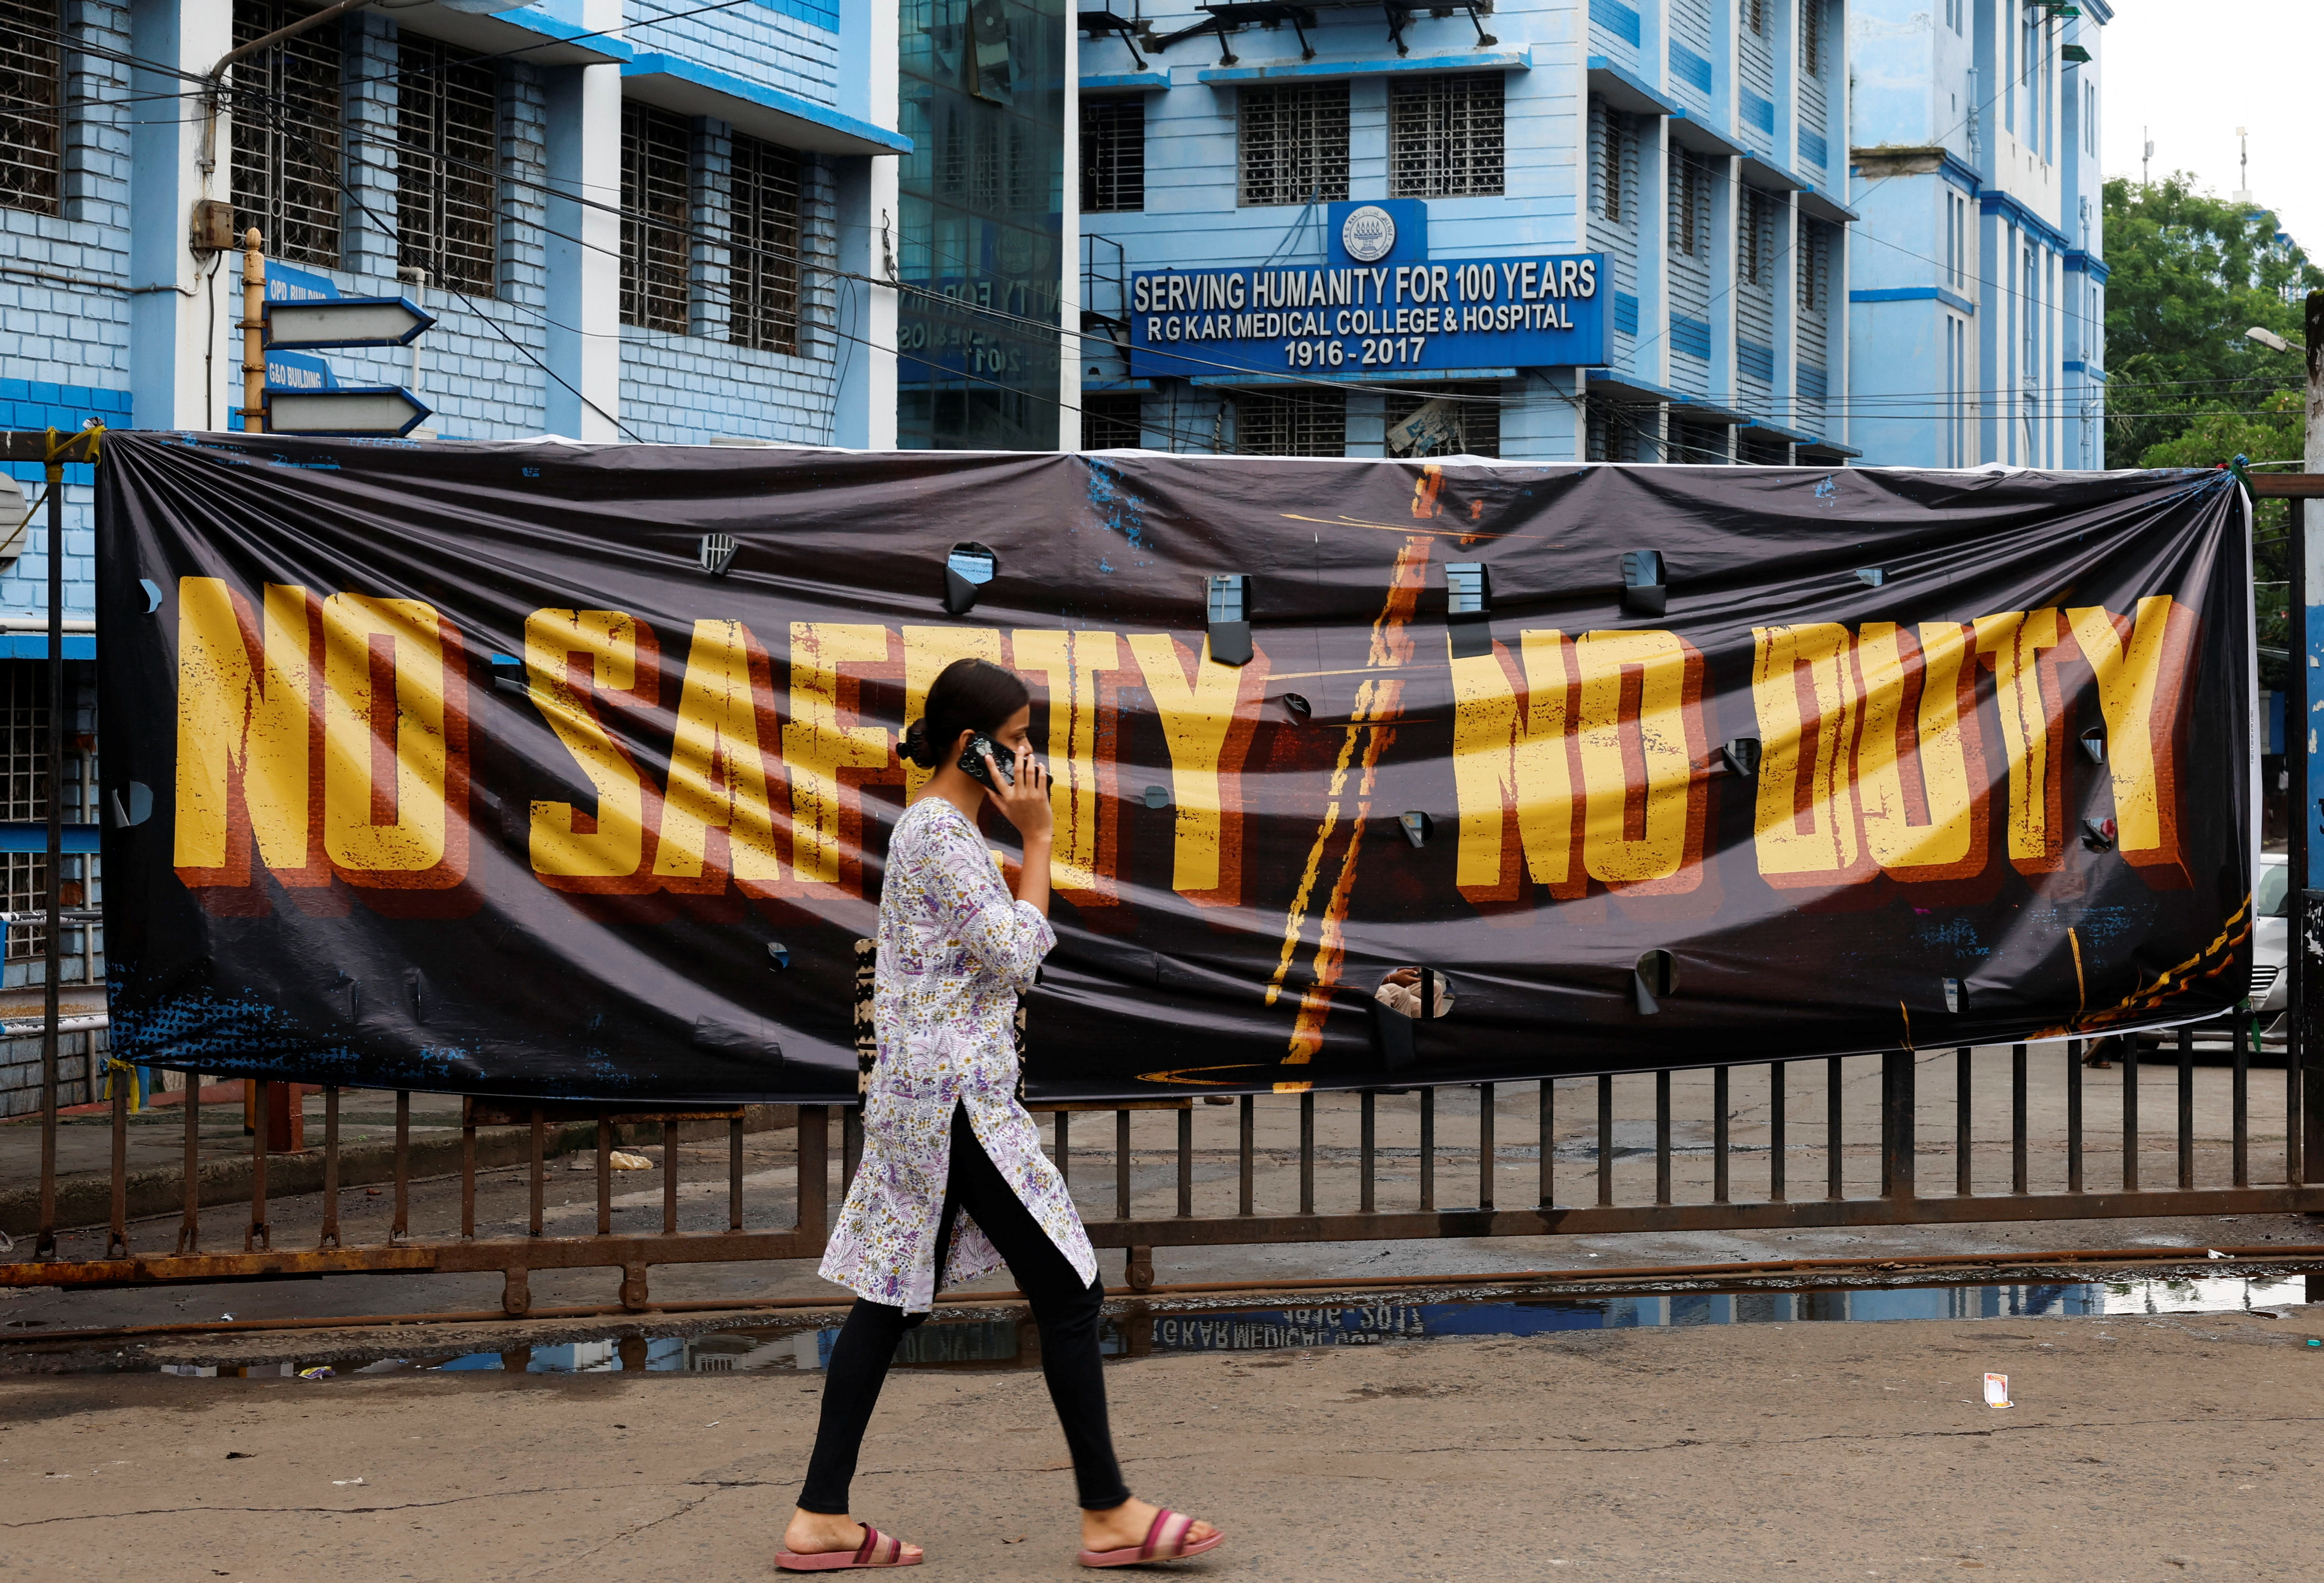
(1026, 803)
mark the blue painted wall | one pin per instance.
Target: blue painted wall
(1990, 348)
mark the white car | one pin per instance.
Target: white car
(2270, 934)
(2271, 890)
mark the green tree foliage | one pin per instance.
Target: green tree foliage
(2187, 387)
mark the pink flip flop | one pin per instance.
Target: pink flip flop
(1165, 1541)
(878, 1550)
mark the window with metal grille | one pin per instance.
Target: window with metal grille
(32, 104)
(1755, 236)
(1444, 136)
(287, 116)
(1811, 37)
(1292, 144)
(25, 795)
(1291, 423)
(448, 158)
(1113, 155)
(657, 240)
(763, 231)
(1755, 17)
(1815, 267)
(1457, 419)
(1609, 134)
(1111, 422)
(1690, 203)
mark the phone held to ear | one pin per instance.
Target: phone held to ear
(972, 760)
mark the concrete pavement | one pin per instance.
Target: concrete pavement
(2142, 1448)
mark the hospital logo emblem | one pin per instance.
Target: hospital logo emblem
(1368, 234)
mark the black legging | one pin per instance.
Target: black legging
(1065, 1309)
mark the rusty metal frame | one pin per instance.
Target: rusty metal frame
(632, 1255)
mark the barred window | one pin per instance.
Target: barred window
(1444, 136)
(1755, 17)
(764, 238)
(1460, 420)
(25, 795)
(1291, 423)
(1690, 203)
(32, 104)
(446, 190)
(1609, 162)
(286, 117)
(1755, 238)
(1815, 267)
(1811, 37)
(1113, 155)
(1293, 145)
(657, 238)
(1111, 422)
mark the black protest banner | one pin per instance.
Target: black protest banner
(467, 767)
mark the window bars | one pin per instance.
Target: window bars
(1815, 267)
(1113, 155)
(656, 235)
(1754, 238)
(1690, 203)
(287, 143)
(1292, 145)
(1444, 136)
(1111, 422)
(764, 233)
(1471, 424)
(1609, 162)
(24, 796)
(447, 154)
(1291, 423)
(1812, 51)
(32, 104)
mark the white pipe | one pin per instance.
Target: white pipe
(64, 1025)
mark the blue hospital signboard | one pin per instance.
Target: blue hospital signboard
(1376, 306)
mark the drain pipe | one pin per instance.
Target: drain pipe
(216, 77)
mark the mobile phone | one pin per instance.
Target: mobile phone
(972, 760)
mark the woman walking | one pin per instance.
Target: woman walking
(953, 1181)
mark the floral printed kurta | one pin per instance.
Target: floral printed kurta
(956, 951)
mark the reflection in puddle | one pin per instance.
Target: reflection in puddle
(1144, 1330)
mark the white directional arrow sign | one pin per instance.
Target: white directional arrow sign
(363, 409)
(348, 321)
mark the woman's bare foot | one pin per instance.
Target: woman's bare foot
(1126, 1526)
(816, 1534)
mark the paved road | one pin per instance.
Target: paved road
(2141, 1449)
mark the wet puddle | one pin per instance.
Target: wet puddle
(1159, 1329)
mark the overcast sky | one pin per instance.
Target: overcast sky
(2187, 76)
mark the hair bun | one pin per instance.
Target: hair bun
(915, 744)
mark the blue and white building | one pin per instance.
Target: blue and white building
(1685, 159)
(1977, 302)
(631, 219)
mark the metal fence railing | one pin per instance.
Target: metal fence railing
(2000, 1134)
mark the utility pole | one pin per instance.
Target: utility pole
(2146, 160)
